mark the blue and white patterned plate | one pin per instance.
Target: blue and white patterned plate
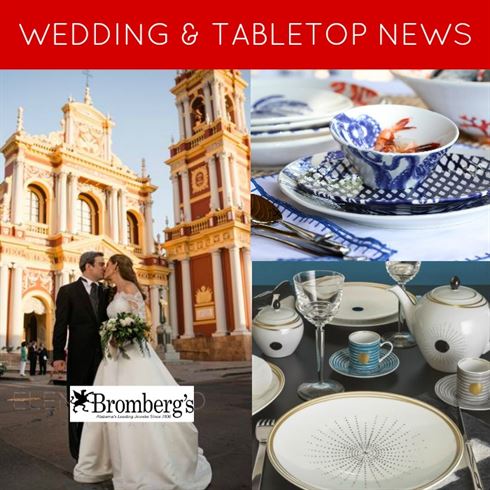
(339, 362)
(288, 182)
(286, 102)
(457, 180)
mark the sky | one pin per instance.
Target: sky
(139, 102)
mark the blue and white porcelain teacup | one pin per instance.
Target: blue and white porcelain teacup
(364, 351)
(357, 130)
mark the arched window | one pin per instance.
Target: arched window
(198, 115)
(35, 205)
(132, 229)
(230, 109)
(87, 215)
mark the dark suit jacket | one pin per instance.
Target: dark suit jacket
(32, 354)
(74, 311)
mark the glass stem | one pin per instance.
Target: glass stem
(400, 312)
(320, 353)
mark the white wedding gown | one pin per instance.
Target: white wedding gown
(140, 456)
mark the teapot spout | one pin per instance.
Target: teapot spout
(406, 304)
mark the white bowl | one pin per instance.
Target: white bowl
(358, 129)
(466, 103)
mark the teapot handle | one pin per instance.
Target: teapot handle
(276, 304)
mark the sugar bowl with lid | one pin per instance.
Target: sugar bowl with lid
(277, 329)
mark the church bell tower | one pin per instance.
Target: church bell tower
(208, 248)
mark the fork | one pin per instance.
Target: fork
(262, 431)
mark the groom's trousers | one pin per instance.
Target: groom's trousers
(79, 379)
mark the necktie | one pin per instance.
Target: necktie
(94, 297)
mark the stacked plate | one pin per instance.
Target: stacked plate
(458, 190)
(366, 304)
(291, 117)
(267, 383)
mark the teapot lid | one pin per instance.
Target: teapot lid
(456, 295)
(277, 316)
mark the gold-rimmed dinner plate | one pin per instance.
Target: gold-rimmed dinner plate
(274, 390)
(365, 440)
(366, 304)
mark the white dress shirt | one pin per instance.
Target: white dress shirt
(88, 284)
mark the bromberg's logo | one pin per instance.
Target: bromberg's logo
(132, 403)
(79, 399)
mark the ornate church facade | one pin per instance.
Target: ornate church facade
(208, 248)
(65, 193)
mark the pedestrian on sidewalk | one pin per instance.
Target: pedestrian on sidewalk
(32, 354)
(23, 358)
(43, 359)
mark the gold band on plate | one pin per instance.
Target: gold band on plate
(365, 394)
(277, 372)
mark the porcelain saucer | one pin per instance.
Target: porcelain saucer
(339, 362)
(445, 389)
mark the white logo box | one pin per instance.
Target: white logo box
(131, 403)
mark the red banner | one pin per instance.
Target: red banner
(247, 34)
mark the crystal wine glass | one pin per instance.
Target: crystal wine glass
(402, 272)
(318, 296)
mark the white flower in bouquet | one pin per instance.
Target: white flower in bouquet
(125, 328)
(127, 321)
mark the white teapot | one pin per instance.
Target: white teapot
(449, 323)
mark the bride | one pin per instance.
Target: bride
(138, 456)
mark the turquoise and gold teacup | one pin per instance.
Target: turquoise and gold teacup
(364, 351)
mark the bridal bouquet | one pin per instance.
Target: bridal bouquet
(123, 329)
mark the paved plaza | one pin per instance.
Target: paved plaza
(34, 440)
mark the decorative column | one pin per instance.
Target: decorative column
(207, 100)
(149, 242)
(173, 300)
(213, 183)
(237, 290)
(187, 294)
(187, 118)
(216, 100)
(4, 300)
(18, 190)
(178, 104)
(176, 196)
(219, 294)
(238, 112)
(72, 203)
(155, 310)
(242, 113)
(57, 282)
(123, 227)
(186, 196)
(221, 100)
(236, 181)
(108, 139)
(247, 263)
(62, 201)
(114, 216)
(65, 277)
(16, 314)
(226, 180)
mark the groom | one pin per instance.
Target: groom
(80, 308)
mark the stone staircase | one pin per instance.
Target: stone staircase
(11, 360)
